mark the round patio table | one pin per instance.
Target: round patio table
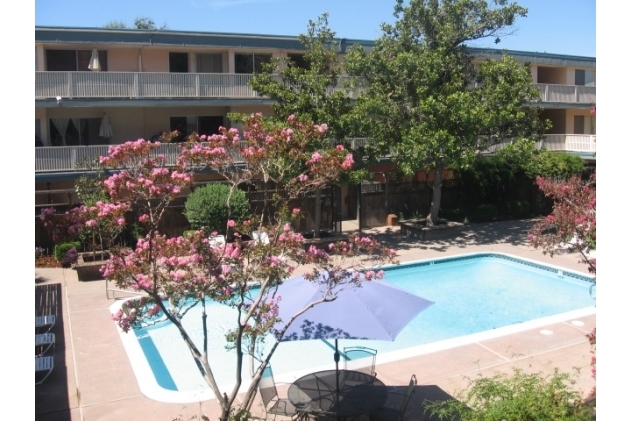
(359, 393)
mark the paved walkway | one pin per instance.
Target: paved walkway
(93, 378)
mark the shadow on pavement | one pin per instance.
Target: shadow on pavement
(51, 397)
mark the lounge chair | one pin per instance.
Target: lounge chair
(261, 236)
(386, 413)
(44, 322)
(43, 365)
(360, 358)
(43, 342)
(269, 394)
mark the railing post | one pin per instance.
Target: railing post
(136, 91)
(196, 85)
(70, 90)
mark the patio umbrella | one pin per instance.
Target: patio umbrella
(105, 130)
(376, 310)
(94, 64)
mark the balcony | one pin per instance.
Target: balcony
(73, 158)
(567, 94)
(134, 85)
(572, 143)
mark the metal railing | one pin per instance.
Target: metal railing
(573, 94)
(135, 85)
(73, 158)
(582, 143)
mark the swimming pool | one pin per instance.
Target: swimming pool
(476, 296)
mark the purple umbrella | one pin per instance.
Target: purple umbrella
(375, 310)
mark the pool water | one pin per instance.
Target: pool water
(475, 295)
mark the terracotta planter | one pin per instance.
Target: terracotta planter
(89, 264)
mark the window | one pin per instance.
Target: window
(75, 131)
(178, 62)
(73, 60)
(209, 63)
(584, 77)
(298, 60)
(207, 125)
(579, 124)
(250, 62)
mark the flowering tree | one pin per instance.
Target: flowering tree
(178, 273)
(102, 220)
(571, 227)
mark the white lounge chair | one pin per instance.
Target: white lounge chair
(43, 342)
(43, 365)
(45, 322)
(216, 241)
(261, 236)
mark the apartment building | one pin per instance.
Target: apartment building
(96, 87)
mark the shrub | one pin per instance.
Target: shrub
(520, 397)
(519, 208)
(62, 249)
(452, 214)
(208, 207)
(486, 212)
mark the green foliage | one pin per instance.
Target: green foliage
(520, 397)
(554, 165)
(314, 90)
(426, 100)
(88, 185)
(455, 214)
(212, 205)
(61, 249)
(141, 22)
(519, 208)
(486, 212)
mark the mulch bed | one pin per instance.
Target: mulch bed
(47, 262)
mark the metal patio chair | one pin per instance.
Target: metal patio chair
(360, 358)
(386, 413)
(269, 395)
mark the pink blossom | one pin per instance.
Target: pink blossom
(295, 211)
(303, 177)
(231, 223)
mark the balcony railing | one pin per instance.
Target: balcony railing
(73, 158)
(573, 94)
(580, 143)
(134, 85)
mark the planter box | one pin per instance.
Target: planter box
(89, 264)
(416, 228)
(323, 242)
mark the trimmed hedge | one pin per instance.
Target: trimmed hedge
(61, 249)
(208, 207)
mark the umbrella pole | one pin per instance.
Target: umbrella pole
(336, 357)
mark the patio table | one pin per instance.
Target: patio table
(359, 393)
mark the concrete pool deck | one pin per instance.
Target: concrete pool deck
(93, 378)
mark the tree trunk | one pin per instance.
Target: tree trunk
(317, 219)
(432, 218)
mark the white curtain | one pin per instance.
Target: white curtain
(61, 124)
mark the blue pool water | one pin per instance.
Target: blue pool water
(472, 294)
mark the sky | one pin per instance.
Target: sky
(552, 26)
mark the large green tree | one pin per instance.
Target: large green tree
(430, 102)
(312, 88)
